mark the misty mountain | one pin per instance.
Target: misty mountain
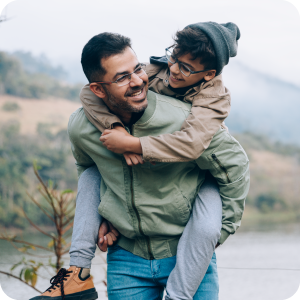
(262, 104)
(16, 80)
(39, 64)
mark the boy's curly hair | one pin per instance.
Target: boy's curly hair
(195, 42)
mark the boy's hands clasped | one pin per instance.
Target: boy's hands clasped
(115, 140)
(118, 140)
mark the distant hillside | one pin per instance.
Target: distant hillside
(36, 82)
(33, 113)
(262, 104)
(34, 129)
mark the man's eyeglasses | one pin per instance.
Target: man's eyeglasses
(125, 79)
(184, 69)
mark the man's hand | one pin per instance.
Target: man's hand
(107, 235)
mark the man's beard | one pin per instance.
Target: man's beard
(124, 105)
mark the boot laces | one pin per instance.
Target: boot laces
(58, 281)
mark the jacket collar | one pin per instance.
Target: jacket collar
(149, 111)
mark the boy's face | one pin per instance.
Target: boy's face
(178, 80)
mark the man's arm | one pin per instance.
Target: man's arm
(228, 163)
(83, 160)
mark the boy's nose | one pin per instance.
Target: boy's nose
(175, 68)
(135, 80)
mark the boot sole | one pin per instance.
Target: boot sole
(90, 294)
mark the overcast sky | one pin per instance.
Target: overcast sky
(270, 29)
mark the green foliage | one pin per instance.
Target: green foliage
(14, 80)
(59, 208)
(17, 154)
(29, 270)
(268, 202)
(10, 106)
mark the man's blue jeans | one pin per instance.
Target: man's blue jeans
(135, 278)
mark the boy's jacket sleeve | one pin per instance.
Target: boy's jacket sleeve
(228, 163)
(210, 107)
(96, 110)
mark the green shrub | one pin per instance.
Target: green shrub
(269, 202)
(10, 106)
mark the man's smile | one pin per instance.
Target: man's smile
(138, 95)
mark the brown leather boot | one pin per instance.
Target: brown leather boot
(68, 285)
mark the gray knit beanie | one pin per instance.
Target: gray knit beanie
(224, 38)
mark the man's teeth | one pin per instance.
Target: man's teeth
(136, 94)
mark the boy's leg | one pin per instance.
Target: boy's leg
(87, 219)
(197, 243)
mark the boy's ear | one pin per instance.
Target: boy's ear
(210, 75)
(98, 90)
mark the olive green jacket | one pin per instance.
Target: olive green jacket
(150, 205)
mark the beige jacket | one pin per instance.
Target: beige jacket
(210, 106)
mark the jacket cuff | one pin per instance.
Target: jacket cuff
(145, 148)
(116, 123)
(224, 235)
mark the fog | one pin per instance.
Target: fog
(270, 29)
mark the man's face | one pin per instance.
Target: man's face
(178, 80)
(130, 98)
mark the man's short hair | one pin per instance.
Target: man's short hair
(195, 42)
(101, 46)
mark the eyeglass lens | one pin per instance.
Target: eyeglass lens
(182, 67)
(127, 78)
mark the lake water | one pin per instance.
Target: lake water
(253, 264)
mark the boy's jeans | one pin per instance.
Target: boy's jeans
(135, 278)
(197, 243)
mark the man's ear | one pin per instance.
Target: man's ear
(98, 90)
(210, 75)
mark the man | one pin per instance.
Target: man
(149, 205)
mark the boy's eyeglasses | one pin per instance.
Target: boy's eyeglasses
(125, 79)
(184, 69)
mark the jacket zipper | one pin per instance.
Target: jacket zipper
(221, 166)
(138, 216)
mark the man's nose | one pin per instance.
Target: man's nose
(135, 80)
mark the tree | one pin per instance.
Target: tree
(59, 208)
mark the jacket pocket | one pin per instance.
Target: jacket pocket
(103, 200)
(229, 160)
(223, 169)
(184, 207)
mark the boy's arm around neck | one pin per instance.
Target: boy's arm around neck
(96, 111)
(229, 165)
(210, 107)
